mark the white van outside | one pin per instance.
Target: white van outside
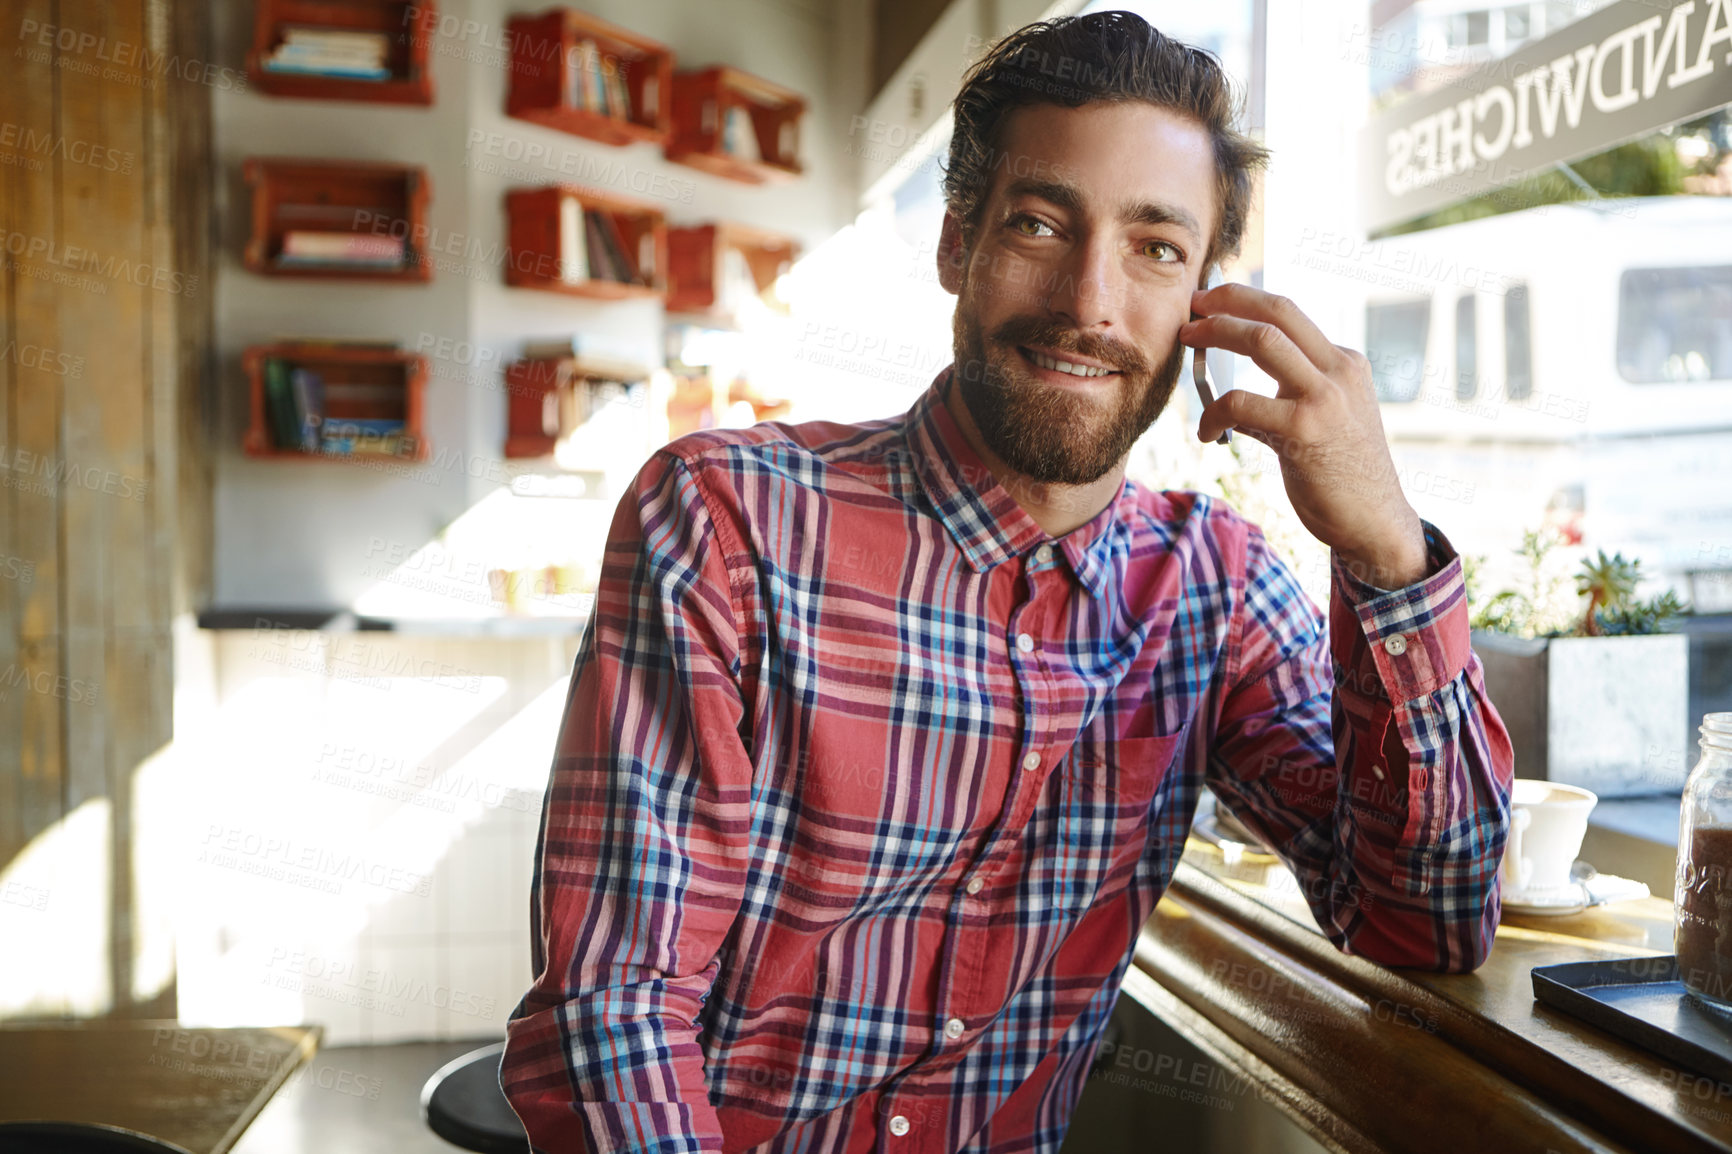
(1568, 365)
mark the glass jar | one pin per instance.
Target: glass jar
(1702, 926)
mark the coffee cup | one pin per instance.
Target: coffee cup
(1547, 823)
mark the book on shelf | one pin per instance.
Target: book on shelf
(584, 87)
(788, 142)
(613, 81)
(601, 258)
(305, 248)
(627, 262)
(607, 241)
(280, 405)
(360, 436)
(308, 390)
(336, 70)
(569, 94)
(597, 88)
(296, 411)
(573, 244)
(341, 39)
(651, 93)
(346, 53)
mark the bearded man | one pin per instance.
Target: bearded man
(884, 739)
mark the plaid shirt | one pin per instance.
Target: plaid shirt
(866, 785)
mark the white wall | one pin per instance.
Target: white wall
(352, 831)
(293, 534)
(325, 769)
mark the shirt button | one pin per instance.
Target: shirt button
(954, 1028)
(1043, 554)
(1031, 760)
(899, 1125)
(1395, 645)
(1377, 770)
(1025, 643)
(975, 885)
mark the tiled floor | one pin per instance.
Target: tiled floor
(355, 1100)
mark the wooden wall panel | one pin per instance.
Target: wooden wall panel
(110, 140)
(34, 404)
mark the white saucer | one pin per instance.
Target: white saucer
(1235, 848)
(1572, 898)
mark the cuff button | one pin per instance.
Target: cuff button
(1395, 645)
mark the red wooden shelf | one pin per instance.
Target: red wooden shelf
(361, 382)
(542, 403)
(705, 100)
(408, 27)
(336, 197)
(697, 255)
(552, 73)
(550, 244)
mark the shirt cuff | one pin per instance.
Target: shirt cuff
(1417, 637)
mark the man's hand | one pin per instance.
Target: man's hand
(1322, 423)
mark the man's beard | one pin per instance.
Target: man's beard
(1050, 433)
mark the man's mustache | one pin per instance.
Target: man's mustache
(1063, 339)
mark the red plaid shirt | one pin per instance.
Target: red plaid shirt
(866, 786)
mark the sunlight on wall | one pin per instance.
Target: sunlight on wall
(348, 844)
(157, 793)
(870, 324)
(454, 576)
(54, 899)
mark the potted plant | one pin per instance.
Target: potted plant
(1593, 692)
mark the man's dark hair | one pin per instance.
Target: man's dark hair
(1104, 56)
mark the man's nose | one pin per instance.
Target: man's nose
(1089, 289)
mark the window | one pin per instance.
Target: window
(1395, 344)
(1675, 324)
(1518, 356)
(1466, 349)
(1470, 29)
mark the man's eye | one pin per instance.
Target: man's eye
(1029, 226)
(1162, 252)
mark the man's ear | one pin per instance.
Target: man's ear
(951, 255)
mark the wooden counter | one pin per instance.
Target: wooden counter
(196, 1088)
(1367, 1058)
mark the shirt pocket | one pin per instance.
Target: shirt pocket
(1125, 771)
(1101, 802)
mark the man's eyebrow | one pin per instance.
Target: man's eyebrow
(1153, 212)
(1143, 212)
(1057, 192)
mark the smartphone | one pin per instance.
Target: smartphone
(1200, 376)
(1200, 363)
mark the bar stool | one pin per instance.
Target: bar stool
(463, 1104)
(78, 1138)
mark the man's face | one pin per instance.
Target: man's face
(1088, 247)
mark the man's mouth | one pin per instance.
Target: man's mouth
(1086, 370)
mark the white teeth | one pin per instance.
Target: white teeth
(1047, 362)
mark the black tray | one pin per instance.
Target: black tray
(1642, 1001)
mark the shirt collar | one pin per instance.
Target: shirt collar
(983, 519)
